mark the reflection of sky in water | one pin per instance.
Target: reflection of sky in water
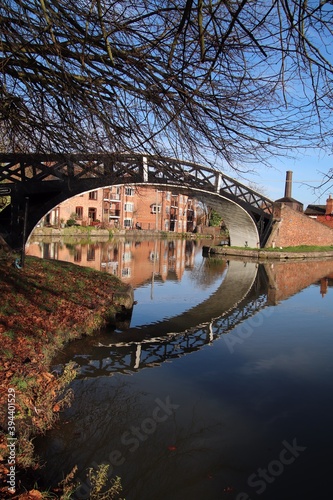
(235, 408)
(275, 385)
(160, 300)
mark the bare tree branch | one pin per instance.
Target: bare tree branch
(225, 80)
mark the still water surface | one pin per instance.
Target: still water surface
(219, 386)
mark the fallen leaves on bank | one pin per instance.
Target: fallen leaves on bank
(43, 306)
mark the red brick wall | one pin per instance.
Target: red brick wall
(294, 228)
(327, 220)
(288, 278)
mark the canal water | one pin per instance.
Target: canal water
(219, 386)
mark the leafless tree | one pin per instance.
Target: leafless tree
(212, 80)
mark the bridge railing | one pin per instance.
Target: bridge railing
(129, 168)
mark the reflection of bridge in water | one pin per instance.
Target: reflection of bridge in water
(242, 293)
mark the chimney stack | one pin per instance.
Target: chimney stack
(289, 179)
(329, 205)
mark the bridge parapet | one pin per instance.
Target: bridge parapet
(22, 168)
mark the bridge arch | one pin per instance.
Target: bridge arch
(242, 228)
(42, 182)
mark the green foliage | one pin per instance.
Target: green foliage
(99, 480)
(215, 219)
(71, 222)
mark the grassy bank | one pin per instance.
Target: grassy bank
(301, 248)
(43, 306)
(285, 253)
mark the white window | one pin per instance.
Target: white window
(128, 207)
(128, 222)
(156, 208)
(129, 191)
(127, 257)
(153, 256)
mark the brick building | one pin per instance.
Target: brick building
(322, 213)
(128, 207)
(293, 227)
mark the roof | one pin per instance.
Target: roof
(315, 210)
(289, 200)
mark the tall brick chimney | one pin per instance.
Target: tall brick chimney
(287, 199)
(289, 180)
(329, 205)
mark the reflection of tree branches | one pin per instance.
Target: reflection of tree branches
(98, 411)
(237, 79)
(173, 455)
(207, 273)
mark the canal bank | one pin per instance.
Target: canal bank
(264, 254)
(100, 233)
(44, 305)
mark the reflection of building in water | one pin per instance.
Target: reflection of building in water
(132, 261)
(323, 286)
(288, 278)
(128, 207)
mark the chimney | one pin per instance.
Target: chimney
(289, 180)
(329, 205)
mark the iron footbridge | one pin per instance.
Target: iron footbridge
(37, 183)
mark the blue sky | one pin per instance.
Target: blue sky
(308, 172)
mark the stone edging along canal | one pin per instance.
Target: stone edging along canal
(262, 254)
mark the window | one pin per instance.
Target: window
(77, 254)
(153, 256)
(79, 212)
(127, 223)
(93, 195)
(91, 252)
(156, 208)
(92, 213)
(129, 191)
(128, 207)
(127, 256)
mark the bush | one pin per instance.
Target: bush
(71, 222)
(215, 219)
